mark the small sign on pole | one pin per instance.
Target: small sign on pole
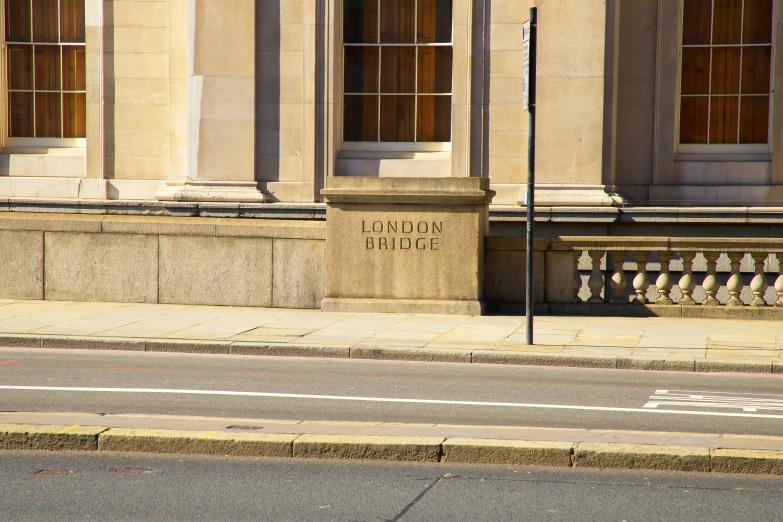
(526, 65)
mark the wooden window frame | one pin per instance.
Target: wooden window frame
(33, 144)
(383, 148)
(761, 151)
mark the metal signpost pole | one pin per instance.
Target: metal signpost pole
(529, 95)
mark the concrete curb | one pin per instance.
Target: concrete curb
(397, 448)
(497, 354)
(642, 456)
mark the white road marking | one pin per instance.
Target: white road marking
(386, 399)
(740, 401)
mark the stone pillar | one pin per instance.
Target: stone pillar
(219, 140)
(577, 101)
(411, 245)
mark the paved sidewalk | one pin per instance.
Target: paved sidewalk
(608, 342)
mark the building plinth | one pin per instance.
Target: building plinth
(405, 244)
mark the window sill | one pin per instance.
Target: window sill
(723, 157)
(394, 165)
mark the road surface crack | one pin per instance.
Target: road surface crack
(419, 497)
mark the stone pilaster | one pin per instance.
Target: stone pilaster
(219, 134)
(576, 102)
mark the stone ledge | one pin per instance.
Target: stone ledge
(298, 211)
(374, 190)
(163, 225)
(317, 211)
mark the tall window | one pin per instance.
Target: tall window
(398, 62)
(46, 68)
(726, 71)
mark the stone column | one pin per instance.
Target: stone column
(577, 101)
(219, 134)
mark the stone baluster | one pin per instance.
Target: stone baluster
(618, 282)
(759, 282)
(734, 284)
(641, 282)
(711, 284)
(596, 281)
(687, 284)
(779, 280)
(664, 281)
(577, 277)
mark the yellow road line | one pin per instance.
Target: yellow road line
(69, 428)
(208, 435)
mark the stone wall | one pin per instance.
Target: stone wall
(152, 259)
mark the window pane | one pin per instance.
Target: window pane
(72, 21)
(725, 70)
(360, 21)
(361, 118)
(724, 123)
(727, 22)
(17, 20)
(74, 75)
(75, 115)
(397, 118)
(435, 69)
(361, 69)
(697, 17)
(47, 115)
(20, 67)
(397, 21)
(695, 70)
(47, 67)
(434, 21)
(756, 64)
(398, 69)
(754, 119)
(434, 118)
(20, 112)
(693, 119)
(757, 22)
(45, 20)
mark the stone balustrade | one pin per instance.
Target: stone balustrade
(728, 266)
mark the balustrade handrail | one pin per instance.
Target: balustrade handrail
(672, 244)
(665, 247)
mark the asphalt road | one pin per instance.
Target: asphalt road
(425, 392)
(63, 487)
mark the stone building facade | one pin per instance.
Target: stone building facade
(655, 118)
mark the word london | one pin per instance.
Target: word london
(391, 242)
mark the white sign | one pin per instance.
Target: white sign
(526, 65)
